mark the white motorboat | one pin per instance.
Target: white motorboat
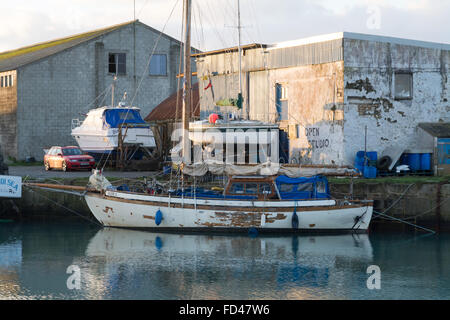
(99, 133)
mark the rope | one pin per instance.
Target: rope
(406, 222)
(64, 207)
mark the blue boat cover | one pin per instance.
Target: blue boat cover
(115, 117)
(315, 187)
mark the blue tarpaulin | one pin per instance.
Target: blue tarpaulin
(303, 188)
(115, 117)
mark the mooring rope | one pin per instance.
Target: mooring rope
(62, 206)
(403, 221)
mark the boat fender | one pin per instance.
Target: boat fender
(295, 219)
(253, 232)
(158, 217)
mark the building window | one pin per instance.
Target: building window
(282, 101)
(403, 82)
(1, 81)
(10, 81)
(117, 63)
(297, 131)
(158, 65)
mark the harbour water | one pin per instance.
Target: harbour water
(126, 264)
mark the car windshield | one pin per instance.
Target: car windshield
(71, 152)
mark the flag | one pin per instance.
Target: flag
(209, 85)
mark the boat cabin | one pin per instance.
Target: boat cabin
(267, 188)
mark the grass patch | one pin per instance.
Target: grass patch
(17, 163)
(392, 180)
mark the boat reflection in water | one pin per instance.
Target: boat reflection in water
(174, 266)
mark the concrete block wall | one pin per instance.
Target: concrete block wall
(55, 90)
(8, 115)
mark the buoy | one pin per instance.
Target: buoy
(213, 117)
(158, 217)
(253, 232)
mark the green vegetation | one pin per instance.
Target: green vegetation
(13, 162)
(392, 180)
(40, 46)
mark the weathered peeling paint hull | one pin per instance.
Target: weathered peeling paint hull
(199, 215)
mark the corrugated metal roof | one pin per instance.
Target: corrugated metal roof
(243, 47)
(11, 60)
(166, 110)
(437, 129)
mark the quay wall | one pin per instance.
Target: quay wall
(424, 204)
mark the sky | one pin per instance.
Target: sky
(214, 21)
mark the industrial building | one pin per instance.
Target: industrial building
(46, 85)
(324, 92)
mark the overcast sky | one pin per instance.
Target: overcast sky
(264, 21)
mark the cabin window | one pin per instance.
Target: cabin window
(286, 187)
(158, 65)
(1, 82)
(305, 187)
(126, 115)
(281, 95)
(321, 187)
(265, 188)
(10, 81)
(251, 188)
(403, 82)
(237, 188)
(117, 63)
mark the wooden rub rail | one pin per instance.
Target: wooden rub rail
(55, 186)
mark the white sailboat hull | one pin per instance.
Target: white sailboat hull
(128, 210)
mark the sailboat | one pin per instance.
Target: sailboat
(268, 202)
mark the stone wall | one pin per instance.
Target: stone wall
(425, 204)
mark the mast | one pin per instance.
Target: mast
(240, 55)
(187, 81)
(239, 45)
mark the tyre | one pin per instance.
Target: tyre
(47, 166)
(384, 163)
(64, 166)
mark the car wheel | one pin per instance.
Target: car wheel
(47, 166)
(64, 166)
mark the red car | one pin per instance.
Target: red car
(67, 158)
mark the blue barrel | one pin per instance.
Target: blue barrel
(372, 155)
(414, 161)
(370, 172)
(359, 161)
(425, 161)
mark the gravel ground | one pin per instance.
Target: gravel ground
(39, 172)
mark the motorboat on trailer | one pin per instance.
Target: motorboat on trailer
(259, 203)
(104, 127)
